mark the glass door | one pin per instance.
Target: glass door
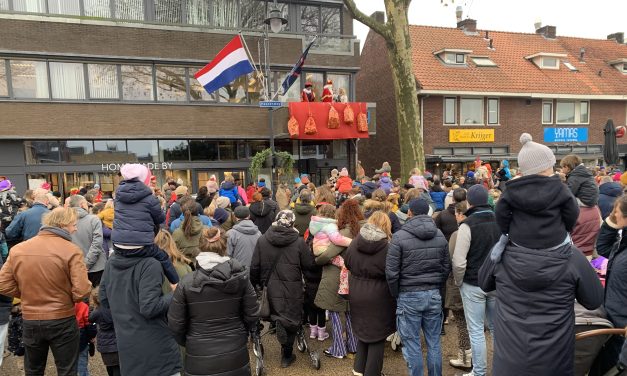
(77, 180)
(37, 180)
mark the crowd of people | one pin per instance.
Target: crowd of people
(163, 282)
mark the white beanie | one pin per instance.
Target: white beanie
(135, 171)
(534, 157)
(344, 172)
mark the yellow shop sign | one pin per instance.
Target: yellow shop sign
(471, 135)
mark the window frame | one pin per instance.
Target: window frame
(549, 102)
(482, 112)
(455, 122)
(554, 67)
(498, 111)
(454, 60)
(577, 112)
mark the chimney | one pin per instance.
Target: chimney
(549, 32)
(468, 25)
(618, 37)
(378, 16)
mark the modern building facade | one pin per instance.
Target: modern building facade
(86, 85)
(478, 90)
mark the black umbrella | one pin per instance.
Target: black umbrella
(610, 148)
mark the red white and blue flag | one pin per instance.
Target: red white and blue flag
(229, 64)
(297, 69)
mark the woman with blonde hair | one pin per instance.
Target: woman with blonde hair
(213, 311)
(365, 259)
(165, 241)
(379, 202)
(324, 195)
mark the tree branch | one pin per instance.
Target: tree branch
(374, 25)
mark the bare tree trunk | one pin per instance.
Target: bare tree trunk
(395, 32)
(407, 110)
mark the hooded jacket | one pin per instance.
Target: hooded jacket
(582, 185)
(303, 213)
(229, 189)
(612, 246)
(262, 213)
(327, 297)
(535, 319)
(26, 224)
(285, 282)
(88, 237)
(344, 184)
(438, 198)
(241, 241)
(137, 214)
(386, 184)
(105, 338)
(325, 233)
(189, 246)
(365, 259)
(131, 289)
(211, 314)
(206, 221)
(608, 192)
(537, 211)
(417, 258)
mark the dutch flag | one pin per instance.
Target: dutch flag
(229, 64)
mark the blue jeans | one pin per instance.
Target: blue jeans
(83, 360)
(418, 310)
(477, 306)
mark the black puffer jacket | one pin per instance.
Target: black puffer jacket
(365, 259)
(611, 245)
(105, 339)
(608, 192)
(537, 211)
(211, 314)
(581, 183)
(285, 283)
(262, 214)
(418, 257)
(137, 214)
(535, 318)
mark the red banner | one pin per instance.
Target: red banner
(320, 113)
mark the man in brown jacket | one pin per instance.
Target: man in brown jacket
(48, 274)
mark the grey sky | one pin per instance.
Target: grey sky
(578, 18)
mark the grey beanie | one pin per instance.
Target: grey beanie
(534, 157)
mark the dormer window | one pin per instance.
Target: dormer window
(620, 64)
(453, 56)
(546, 60)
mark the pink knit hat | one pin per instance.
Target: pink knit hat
(136, 171)
(344, 172)
(212, 184)
(616, 177)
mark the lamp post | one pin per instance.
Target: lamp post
(275, 22)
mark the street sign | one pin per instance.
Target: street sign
(270, 104)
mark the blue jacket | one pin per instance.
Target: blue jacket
(438, 198)
(105, 339)
(137, 214)
(418, 258)
(607, 195)
(179, 221)
(26, 224)
(228, 189)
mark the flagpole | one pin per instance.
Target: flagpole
(277, 92)
(250, 56)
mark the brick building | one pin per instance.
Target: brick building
(478, 90)
(88, 84)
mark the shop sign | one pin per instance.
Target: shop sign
(573, 134)
(112, 167)
(471, 135)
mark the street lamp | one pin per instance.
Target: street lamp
(275, 22)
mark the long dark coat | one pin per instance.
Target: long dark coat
(365, 259)
(285, 284)
(327, 297)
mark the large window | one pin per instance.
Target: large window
(471, 111)
(235, 92)
(169, 11)
(252, 14)
(70, 7)
(493, 111)
(36, 6)
(4, 88)
(110, 146)
(129, 9)
(39, 152)
(201, 150)
(67, 81)
(225, 13)
(196, 91)
(198, 12)
(340, 81)
(320, 19)
(4, 4)
(76, 151)
(572, 112)
(228, 150)
(143, 150)
(317, 79)
(97, 8)
(309, 18)
(171, 84)
(103, 81)
(137, 82)
(29, 79)
(330, 20)
(450, 111)
(173, 150)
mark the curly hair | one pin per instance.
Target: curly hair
(349, 215)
